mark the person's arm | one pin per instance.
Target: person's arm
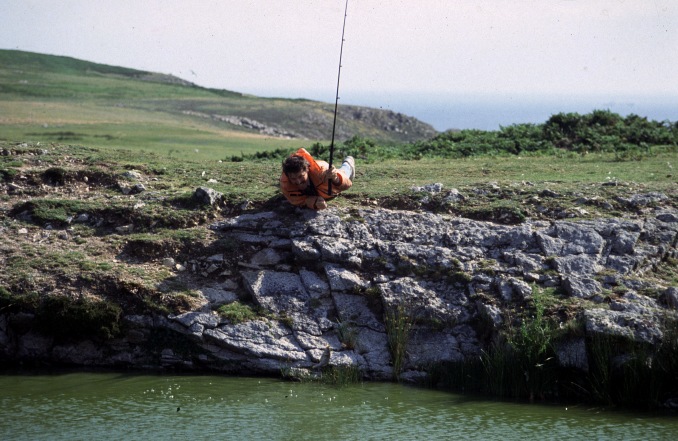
(340, 181)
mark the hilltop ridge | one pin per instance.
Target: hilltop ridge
(52, 90)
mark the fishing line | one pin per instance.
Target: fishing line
(336, 101)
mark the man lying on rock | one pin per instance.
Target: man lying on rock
(305, 181)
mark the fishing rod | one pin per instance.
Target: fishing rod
(336, 101)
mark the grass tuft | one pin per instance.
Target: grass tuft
(398, 323)
(237, 312)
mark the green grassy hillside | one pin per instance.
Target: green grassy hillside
(46, 98)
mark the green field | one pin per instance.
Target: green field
(110, 126)
(513, 183)
(45, 101)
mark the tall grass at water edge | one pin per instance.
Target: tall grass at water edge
(522, 365)
(398, 322)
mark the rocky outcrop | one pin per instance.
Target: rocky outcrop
(247, 123)
(330, 279)
(382, 123)
(318, 122)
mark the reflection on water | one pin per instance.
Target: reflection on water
(114, 406)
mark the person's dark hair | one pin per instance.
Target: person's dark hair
(295, 164)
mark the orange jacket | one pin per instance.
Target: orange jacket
(300, 197)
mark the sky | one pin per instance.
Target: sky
(438, 60)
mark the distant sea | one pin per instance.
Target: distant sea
(445, 112)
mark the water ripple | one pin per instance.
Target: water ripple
(113, 407)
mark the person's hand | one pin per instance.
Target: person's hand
(320, 204)
(332, 174)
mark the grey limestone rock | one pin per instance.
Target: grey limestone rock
(582, 287)
(276, 291)
(207, 196)
(260, 339)
(329, 279)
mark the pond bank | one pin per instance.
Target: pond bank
(393, 294)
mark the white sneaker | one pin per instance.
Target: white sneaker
(351, 163)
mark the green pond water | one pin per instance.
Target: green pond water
(107, 406)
